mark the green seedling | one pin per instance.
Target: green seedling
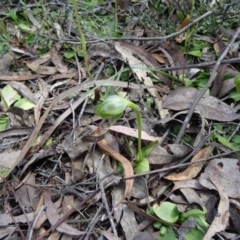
(169, 214)
(114, 106)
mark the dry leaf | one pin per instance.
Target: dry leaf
(53, 217)
(134, 133)
(185, 22)
(45, 70)
(226, 172)
(220, 221)
(127, 166)
(208, 106)
(139, 60)
(57, 60)
(192, 170)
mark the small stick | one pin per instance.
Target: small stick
(168, 36)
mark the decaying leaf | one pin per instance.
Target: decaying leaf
(53, 217)
(40, 69)
(160, 155)
(57, 60)
(209, 107)
(128, 169)
(139, 60)
(124, 215)
(220, 221)
(194, 169)
(225, 171)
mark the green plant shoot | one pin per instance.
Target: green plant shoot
(114, 106)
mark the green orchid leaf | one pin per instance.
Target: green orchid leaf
(142, 166)
(3, 122)
(167, 211)
(194, 234)
(237, 82)
(157, 225)
(169, 236)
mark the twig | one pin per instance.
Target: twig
(104, 201)
(30, 232)
(92, 224)
(202, 92)
(200, 65)
(179, 165)
(168, 36)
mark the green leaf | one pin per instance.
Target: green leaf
(235, 95)
(169, 236)
(24, 104)
(196, 53)
(236, 139)
(4, 172)
(25, 27)
(194, 234)
(192, 213)
(69, 54)
(147, 150)
(225, 142)
(3, 122)
(237, 82)
(9, 96)
(157, 225)
(142, 166)
(199, 215)
(125, 76)
(167, 211)
(150, 211)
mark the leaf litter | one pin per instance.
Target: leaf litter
(66, 173)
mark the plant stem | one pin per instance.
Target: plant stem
(82, 37)
(139, 123)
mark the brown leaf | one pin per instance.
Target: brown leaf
(159, 58)
(19, 78)
(185, 22)
(220, 221)
(46, 70)
(177, 56)
(57, 60)
(128, 169)
(139, 61)
(44, 95)
(53, 217)
(194, 169)
(208, 106)
(226, 172)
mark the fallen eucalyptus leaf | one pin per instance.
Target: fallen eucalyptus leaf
(209, 107)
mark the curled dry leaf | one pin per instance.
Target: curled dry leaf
(208, 106)
(57, 61)
(127, 166)
(194, 169)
